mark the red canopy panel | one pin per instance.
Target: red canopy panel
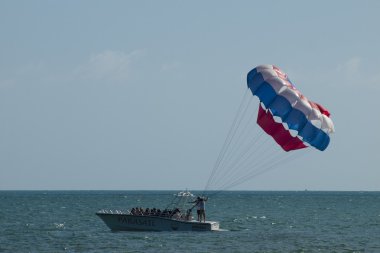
(278, 132)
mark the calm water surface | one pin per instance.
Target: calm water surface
(60, 221)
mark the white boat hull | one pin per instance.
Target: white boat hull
(128, 222)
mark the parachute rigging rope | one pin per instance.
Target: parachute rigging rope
(257, 172)
(268, 167)
(243, 157)
(235, 130)
(227, 140)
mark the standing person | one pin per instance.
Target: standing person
(200, 203)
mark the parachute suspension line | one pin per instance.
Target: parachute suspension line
(237, 145)
(233, 163)
(224, 165)
(238, 117)
(274, 165)
(268, 167)
(246, 156)
(255, 173)
(246, 162)
(265, 157)
(262, 157)
(254, 165)
(228, 144)
(220, 168)
(236, 165)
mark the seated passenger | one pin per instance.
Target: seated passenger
(188, 216)
(176, 214)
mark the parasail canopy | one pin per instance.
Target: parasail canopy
(285, 113)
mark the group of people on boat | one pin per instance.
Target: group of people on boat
(146, 212)
(175, 213)
(166, 213)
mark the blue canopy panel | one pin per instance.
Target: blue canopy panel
(254, 80)
(296, 119)
(265, 93)
(316, 137)
(280, 107)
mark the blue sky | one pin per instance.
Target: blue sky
(141, 94)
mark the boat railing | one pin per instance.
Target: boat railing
(105, 211)
(164, 215)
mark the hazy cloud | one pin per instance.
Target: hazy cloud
(350, 68)
(108, 65)
(170, 66)
(375, 81)
(355, 72)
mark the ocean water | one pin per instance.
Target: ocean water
(65, 221)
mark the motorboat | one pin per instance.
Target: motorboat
(176, 217)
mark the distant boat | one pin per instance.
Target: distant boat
(175, 218)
